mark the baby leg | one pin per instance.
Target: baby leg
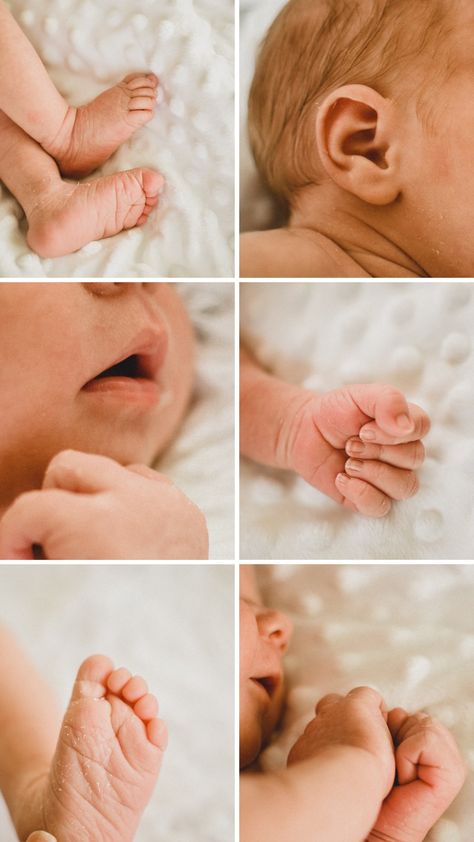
(80, 139)
(28, 733)
(63, 216)
(27, 94)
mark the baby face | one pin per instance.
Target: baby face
(105, 368)
(441, 159)
(264, 638)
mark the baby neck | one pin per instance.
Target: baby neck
(369, 236)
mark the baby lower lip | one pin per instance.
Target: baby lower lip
(136, 389)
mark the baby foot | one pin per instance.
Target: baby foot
(107, 759)
(91, 133)
(68, 217)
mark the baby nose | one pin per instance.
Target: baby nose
(275, 627)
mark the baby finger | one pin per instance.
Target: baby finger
(397, 483)
(367, 499)
(410, 455)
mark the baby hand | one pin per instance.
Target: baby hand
(430, 773)
(90, 507)
(358, 721)
(373, 425)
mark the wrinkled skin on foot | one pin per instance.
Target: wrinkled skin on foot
(91, 133)
(75, 214)
(107, 759)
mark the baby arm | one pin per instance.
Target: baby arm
(338, 774)
(430, 773)
(28, 733)
(92, 507)
(288, 427)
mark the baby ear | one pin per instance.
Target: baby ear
(358, 144)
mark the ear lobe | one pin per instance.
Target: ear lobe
(356, 143)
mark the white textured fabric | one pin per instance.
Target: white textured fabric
(416, 336)
(201, 459)
(408, 631)
(88, 45)
(173, 625)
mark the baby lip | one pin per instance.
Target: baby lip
(270, 683)
(145, 357)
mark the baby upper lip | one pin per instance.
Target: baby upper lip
(270, 683)
(144, 357)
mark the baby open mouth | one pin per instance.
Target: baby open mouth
(269, 684)
(134, 378)
(130, 367)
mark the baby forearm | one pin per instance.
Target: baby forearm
(28, 724)
(267, 405)
(334, 797)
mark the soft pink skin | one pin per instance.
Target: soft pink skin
(430, 773)
(357, 721)
(288, 427)
(325, 429)
(90, 134)
(43, 138)
(107, 760)
(90, 507)
(264, 638)
(56, 338)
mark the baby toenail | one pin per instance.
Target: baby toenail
(354, 465)
(342, 479)
(367, 435)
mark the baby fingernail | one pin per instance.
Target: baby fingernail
(355, 446)
(367, 435)
(342, 479)
(354, 465)
(405, 423)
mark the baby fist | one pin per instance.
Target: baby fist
(430, 773)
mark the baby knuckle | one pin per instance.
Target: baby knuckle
(382, 507)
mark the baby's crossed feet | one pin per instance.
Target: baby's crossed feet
(71, 215)
(91, 133)
(107, 759)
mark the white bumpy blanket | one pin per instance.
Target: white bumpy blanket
(88, 45)
(201, 459)
(408, 631)
(416, 336)
(174, 626)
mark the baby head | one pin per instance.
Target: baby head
(264, 638)
(315, 47)
(104, 368)
(373, 96)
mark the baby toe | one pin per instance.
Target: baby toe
(118, 679)
(157, 733)
(146, 707)
(140, 80)
(134, 689)
(92, 677)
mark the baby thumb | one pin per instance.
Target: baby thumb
(41, 836)
(392, 413)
